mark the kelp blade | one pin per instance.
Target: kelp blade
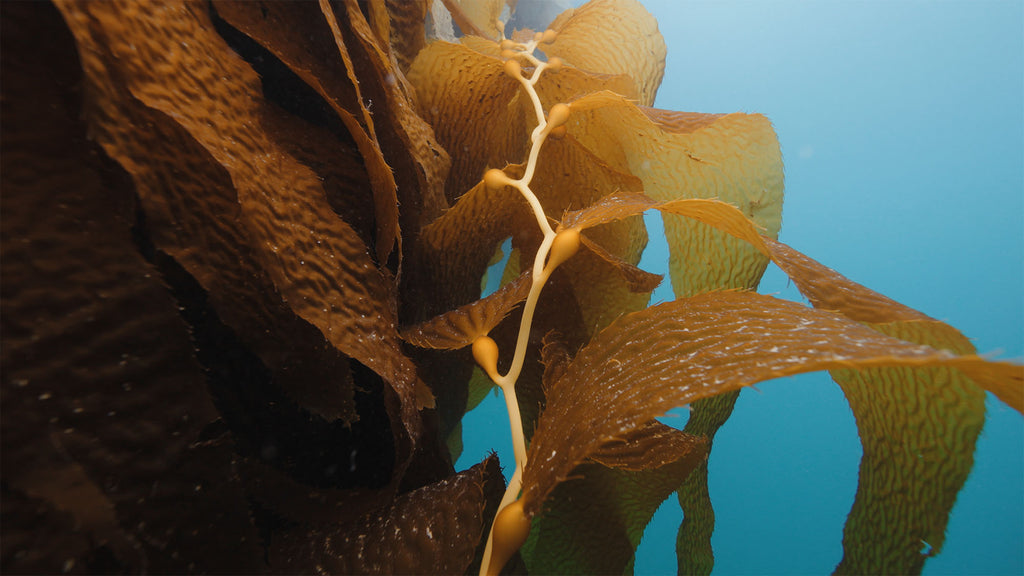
(706, 345)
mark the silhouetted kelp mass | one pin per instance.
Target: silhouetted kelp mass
(242, 251)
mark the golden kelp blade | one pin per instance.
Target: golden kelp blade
(452, 81)
(705, 345)
(455, 248)
(635, 473)
(475, 109)
(918, 429)
(477, 17)
(610, 208)
(612, 37)
(734, 158)
(911, 473)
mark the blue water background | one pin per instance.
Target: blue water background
(902, 131)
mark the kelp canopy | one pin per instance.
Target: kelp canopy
(242, 250)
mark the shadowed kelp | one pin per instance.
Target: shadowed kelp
(242, 252)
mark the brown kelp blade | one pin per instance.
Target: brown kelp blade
(829, 290)
(640, 469)
(893, 460)
(824, 287)
(460, 327)
(650, 447)
(420, 164)
(610, 208)
(637, 279)
(614, 208)
(702, 346)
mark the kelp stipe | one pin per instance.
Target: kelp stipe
(217, 217)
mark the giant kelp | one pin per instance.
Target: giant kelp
(242, 251)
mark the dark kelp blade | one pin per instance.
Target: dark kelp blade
(191, 211)
(705, 345)
(453, 251)
(431, 530)
(316, 262)
(300, 37)
(413, 152)
(105, 405)
(408, 29)
(460, 327)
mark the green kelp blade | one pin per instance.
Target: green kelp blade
(704, 345)
(918, 428)
(694, 554)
